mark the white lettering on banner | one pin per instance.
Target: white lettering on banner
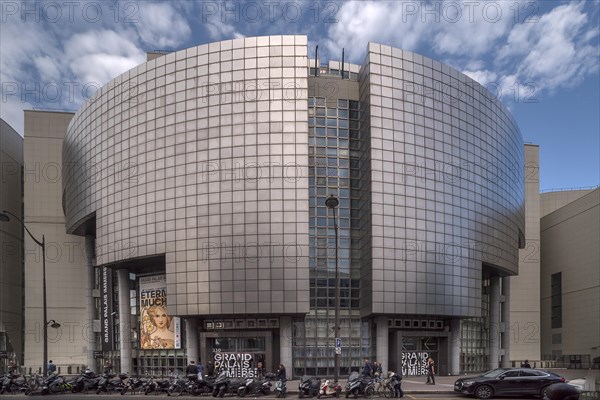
(237, 365)
(414, 363)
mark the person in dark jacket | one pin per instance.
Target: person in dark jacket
(192, 369)
(367, 369)
(281, 374)
(396, 382)
(210, 368)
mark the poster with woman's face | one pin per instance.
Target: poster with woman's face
(157, 328)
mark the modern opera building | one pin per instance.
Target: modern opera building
(202, 175)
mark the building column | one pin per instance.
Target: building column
(506, 321)
(90, 263)
(396, 347)
(191, 339)
(382, 342)
(454, 347)
(285, 343)
(494, 322)
(124, 320)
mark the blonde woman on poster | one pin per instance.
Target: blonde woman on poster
(157, 328)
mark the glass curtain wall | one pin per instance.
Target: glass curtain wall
(333, 170)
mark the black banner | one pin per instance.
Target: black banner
(107, 319)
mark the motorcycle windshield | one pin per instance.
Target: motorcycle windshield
(222, 377)
(354, 376)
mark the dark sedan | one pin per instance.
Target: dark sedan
(508, 381)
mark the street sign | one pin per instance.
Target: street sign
(98, 354)
(338, 342)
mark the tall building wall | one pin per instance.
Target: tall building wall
(446, 194)
(65, 264)
(525, 329)
(570, 303)
(11, 246)
(208, 165)
(552, 201)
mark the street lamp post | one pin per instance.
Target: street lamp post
(4, 217)
(332, 202)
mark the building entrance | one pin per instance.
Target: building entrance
(415, 352)
(238, 353)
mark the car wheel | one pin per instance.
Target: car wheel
(543, 392)
(300, 394)
(484, 392)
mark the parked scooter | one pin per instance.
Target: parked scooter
(359, 385)
(132, 385)
(309, 386)
(55, 384)
(86, 381)
(329, 389)
(281, 388)
(108, 383)
(14, 384)
(221, 385)
(254, 386)
(156, 386)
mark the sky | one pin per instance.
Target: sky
(541, 58)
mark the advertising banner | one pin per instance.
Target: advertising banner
(414, 363)
(158, 330)
(107, 319)
(237, 365)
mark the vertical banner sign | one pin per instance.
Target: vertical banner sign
(414, 363)
(177, 331)
(107, 320)
(158, 330)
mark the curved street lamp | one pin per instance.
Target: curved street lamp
(5, 217)
(332, 202)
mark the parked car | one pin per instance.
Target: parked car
(508, 381)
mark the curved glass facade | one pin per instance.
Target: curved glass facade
(219, 158)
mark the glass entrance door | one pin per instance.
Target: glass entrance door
(415, 352)
(239, 356)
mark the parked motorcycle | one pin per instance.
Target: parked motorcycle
(86, 381)
(281, 388)
(359, 385)
(55, 384)
(179, 385)
(328, 389)
(156, 386)
(309, 386)
(132, 385)
(15, 384)
(108, 383)
(254, 386)
(221, 385)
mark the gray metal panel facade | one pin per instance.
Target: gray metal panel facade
(201, 155)
(446, 185)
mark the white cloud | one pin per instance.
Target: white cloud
(471, 28)
(219, 30)
(162, 25)
(557, 51)
(483, 77)
(95, 57)
(381, 22)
